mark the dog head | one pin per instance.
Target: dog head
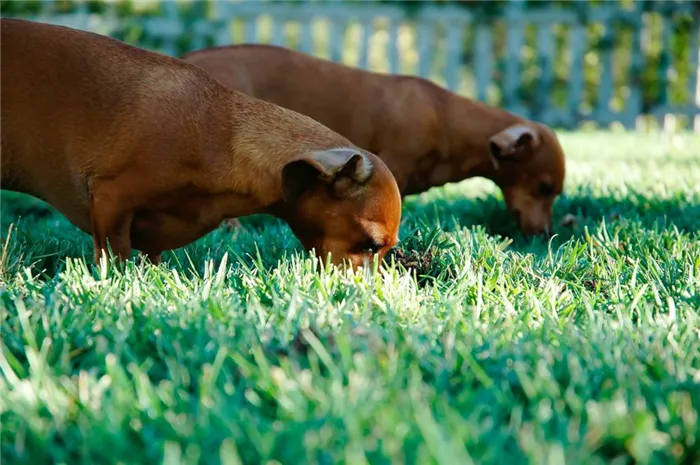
(530, 169)
(344, 202)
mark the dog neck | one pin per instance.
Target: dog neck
(469, 126)
(461, 129)
(263, 139)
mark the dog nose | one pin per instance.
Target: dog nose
(518, 215)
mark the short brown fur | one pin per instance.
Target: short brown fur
(427, 135)
(146, 151)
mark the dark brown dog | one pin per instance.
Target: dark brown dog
(427, 135)
(147, 151)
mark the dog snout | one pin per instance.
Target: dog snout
(545, 231)
(518, 215)
(535, 225)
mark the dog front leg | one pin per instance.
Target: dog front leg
(155, 258)
(231, 223)
(111, 224)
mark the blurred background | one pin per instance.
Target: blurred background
(570, 64)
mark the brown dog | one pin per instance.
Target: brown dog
(427, 135)
(147, 151)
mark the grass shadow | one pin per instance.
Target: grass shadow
(574, 214)
(45, 238)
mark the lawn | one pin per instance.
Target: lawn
(480, 346)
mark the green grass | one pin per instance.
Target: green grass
(491, 348)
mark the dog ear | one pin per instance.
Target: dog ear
(342, 169)
(513, 142)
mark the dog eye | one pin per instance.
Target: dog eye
(546, 189)
(371, 247)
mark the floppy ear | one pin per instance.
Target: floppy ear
(513, 142)
(340, 168)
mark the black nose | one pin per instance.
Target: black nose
(518, 215)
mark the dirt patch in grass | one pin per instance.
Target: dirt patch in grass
(420, 261)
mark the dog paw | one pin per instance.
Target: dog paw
(231, 224)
